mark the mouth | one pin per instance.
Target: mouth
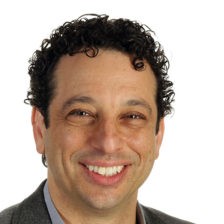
(105, 171)
(105, 174)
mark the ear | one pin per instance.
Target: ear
(39, 129)
(159, 137)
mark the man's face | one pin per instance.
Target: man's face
(101, 143)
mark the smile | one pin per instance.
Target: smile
(105, 171)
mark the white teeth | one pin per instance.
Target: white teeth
(105, 171)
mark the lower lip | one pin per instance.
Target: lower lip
(105, 180)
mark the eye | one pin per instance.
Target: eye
(135, 116)
(80, 117)
(80, 113)
(134, 119)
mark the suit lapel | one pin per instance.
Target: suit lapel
(33, 209)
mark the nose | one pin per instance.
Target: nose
(107, 137)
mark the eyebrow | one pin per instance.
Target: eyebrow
(77, 99)
(89, 100)
(139, 102)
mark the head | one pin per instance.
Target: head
(88, 35)
(100, 91)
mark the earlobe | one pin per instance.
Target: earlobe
(38, 129)
(159, 137)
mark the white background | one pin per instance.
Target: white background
(188, 178)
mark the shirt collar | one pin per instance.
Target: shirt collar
(54, 215)
(140, 215)
(56, 219)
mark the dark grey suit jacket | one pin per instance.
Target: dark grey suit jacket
(33, 210)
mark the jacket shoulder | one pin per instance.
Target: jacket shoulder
(7, 214)
(158, 217)
(32, 210)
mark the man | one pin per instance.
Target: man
(100, 91)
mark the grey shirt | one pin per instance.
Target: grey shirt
(55, 217)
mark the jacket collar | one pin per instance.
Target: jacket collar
(31, 209)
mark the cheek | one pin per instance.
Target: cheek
(143, 143)
(71, 140)
(62, 142)
(61, 146)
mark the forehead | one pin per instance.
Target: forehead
(109, 72)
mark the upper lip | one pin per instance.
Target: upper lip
(102, 163)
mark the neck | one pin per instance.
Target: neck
(124, 216)
(75, 211)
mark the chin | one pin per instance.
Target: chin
(102, 201)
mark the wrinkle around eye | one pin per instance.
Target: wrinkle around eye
(80, 117)
(134, 119)
(134, 116)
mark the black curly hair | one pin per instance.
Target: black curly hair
(88, 34)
